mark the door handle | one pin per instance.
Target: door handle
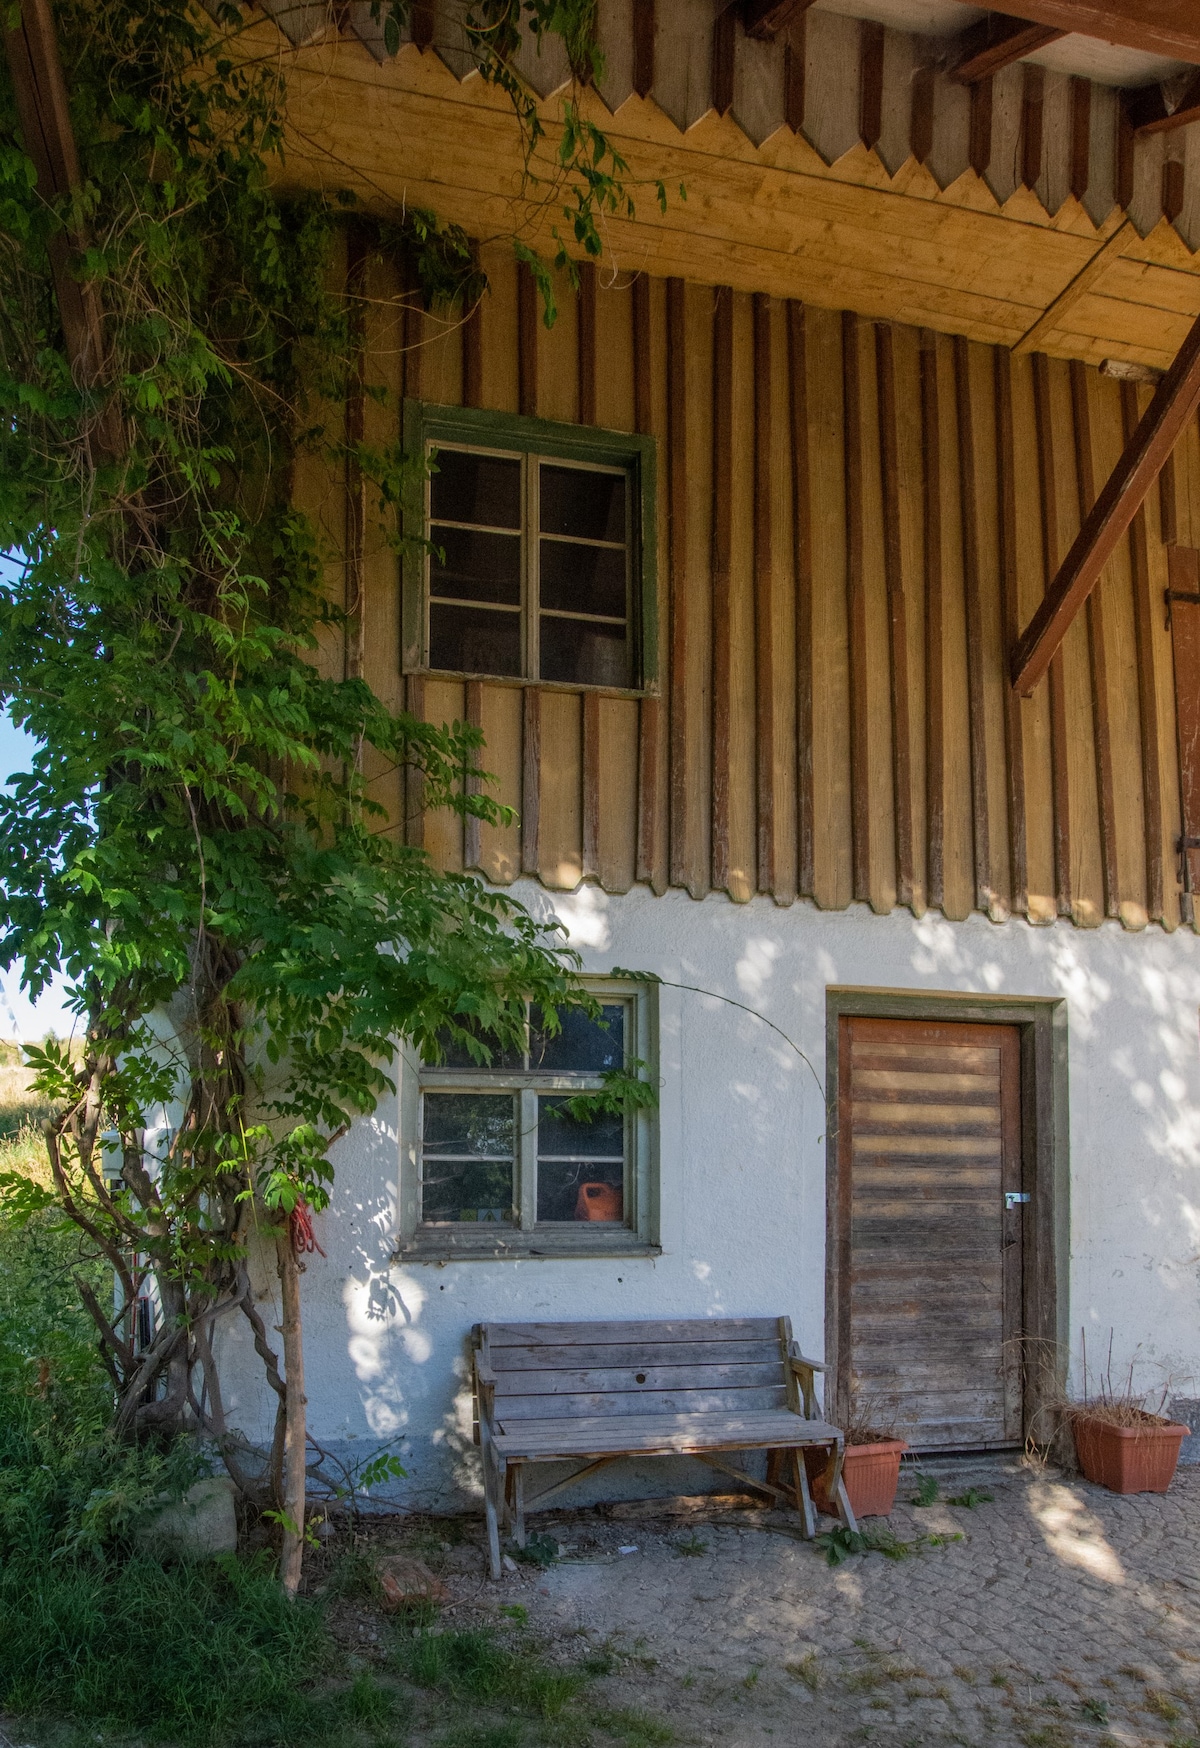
(1012, 1198)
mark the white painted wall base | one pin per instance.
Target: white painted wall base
(743, 1166)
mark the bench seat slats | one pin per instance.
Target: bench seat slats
(621, 1404)
(662, 1434)
(637, 1377)
(571, 1356)
(691, 1329)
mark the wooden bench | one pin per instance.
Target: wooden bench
(591, 1393)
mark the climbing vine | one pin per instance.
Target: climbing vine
(203, 845)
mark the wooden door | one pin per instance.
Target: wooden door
(928, 1252)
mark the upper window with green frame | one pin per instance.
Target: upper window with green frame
(533, 565)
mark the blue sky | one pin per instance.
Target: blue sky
(19, 1017)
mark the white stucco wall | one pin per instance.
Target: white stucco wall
(742, 1124)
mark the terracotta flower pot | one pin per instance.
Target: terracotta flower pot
(870, 1473)
(1128, 1459)
(599, 1202)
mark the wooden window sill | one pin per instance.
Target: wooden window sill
(438, 1247)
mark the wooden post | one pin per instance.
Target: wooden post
(295, 1403)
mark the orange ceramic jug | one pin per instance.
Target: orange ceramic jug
(599, 1202)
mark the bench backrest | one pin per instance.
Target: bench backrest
(546, 1371)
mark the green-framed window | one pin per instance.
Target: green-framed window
(494, 1164)
(538, 555)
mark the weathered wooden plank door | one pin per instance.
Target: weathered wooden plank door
(929, 1251)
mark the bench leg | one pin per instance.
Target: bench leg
(517, 1494)
(808, 1516)
(493, 1504)
(844, 1508)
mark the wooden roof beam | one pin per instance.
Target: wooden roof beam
(1148, 113)
(996, 42)
(1158, 27)
(1175, 400)
(765, 19)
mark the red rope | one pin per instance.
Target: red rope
(304, 1239)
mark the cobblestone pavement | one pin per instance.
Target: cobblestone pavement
(1064, 1615)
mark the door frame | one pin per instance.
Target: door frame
(1045, 1176)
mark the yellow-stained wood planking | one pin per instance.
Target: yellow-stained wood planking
(1035, 711)
(832, 854)
(598, 796)
(959, 847)
(906, 355)
(791, 226)
(877, 685)
(1086, 866)
(560, 791)
(443, 701)
(500, 720)
(1115, 591)
(782, 618)
(993, 642)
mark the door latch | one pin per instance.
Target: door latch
(1012, 1197)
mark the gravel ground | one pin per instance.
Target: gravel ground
(1056, 1614)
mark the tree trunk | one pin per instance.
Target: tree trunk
(295, 1435)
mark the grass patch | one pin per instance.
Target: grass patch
(690, 1546)
(806, 1669)
(634, 1728)
(1161, 1706)
(972, 1497)
(474, 1664)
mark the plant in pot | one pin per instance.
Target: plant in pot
(871, 1464)
(1120, 1443)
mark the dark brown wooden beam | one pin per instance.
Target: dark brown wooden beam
(997, 42)
(643, 47)
(766, 18)
(1147, 113)
(1174, 403)
(42, 108)
(1158, 27)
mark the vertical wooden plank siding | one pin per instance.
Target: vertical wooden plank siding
(678, 602)
(650, 416)
(764, 588)
(1184, 571)
(974, 611)
(722, 560)
(889, 459)
(1014, 737)
(803, 562)
(1097, 647)
(586, 389)
(855, 521)
(1051, 552)
(856, 611)
(935, 728)
(1144, 607)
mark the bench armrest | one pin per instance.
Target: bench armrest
(805, 1371)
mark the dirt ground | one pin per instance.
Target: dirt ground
(1054, 1614)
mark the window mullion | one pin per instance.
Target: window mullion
(527, 1159)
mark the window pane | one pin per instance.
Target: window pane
(478, 567)
(584, 1046)
(477, 1185)
(579, 1191)
(478, 1124)
(582, 579)
(574, 500)
(466, 1191)
(474, 640)
(455, 1053)
(559, 1133)
(476, 488)
(578, 652)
